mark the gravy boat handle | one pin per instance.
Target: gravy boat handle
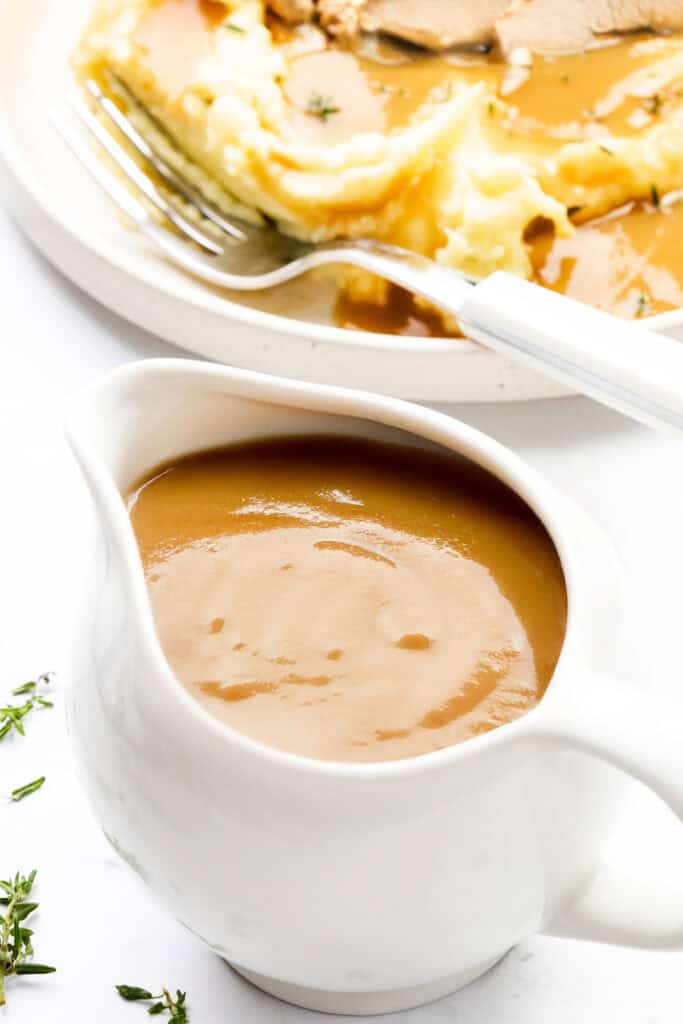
(644, 739)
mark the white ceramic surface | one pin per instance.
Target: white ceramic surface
(357, 888)
(281, 332)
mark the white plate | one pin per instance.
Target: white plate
(282, 331)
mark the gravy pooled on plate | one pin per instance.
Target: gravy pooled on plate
(349, 600)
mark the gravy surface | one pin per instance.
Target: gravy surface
(617, 89)
(613, 90)
(174, 35)
(602, 93)
(628, 263)
(402, 315)
(349, 600)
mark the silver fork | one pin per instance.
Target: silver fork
(622, 365)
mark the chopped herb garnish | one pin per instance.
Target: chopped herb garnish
(653, 104)
(606, 149)
(654, 195)
(12, 715)
(176, 1008)
(30, 787)
(321, 106)
(642, 304)
(15, 939)
(391, 90)
(232, 27)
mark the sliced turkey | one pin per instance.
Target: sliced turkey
(435, 24)
(559, 26)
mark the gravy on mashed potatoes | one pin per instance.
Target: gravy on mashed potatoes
(564, 169)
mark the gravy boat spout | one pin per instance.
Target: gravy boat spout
(352, 888)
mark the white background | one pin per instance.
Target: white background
(96, 923)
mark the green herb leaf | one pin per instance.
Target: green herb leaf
(654, 195)
(642, 303)
(31, 787)
(232, 27)
(321, 106)
(24, 909)
(132, 993)
(156, 1008)
(15, 941)
(26, 688)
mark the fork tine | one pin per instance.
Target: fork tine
(143, 147)
(131, 170)
(113, 186)
(180, 252)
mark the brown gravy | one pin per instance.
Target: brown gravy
(401, 316)
(349, 600)
(604, 92)
(629, 263)
(173, 35)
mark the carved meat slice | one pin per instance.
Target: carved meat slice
(559, 26)
(294, 12)
(435, 24)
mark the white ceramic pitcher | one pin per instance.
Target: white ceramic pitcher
(357, 888)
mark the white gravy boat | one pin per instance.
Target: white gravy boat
(357, 888)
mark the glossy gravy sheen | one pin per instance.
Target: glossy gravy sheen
(379, 87)
(603, 93)
(629, 263)
(349, 600)
(173, 35)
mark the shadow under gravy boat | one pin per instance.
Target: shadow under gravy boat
(344, 887)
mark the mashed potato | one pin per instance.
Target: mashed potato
(461, 177)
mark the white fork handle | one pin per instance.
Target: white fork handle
(621, 364)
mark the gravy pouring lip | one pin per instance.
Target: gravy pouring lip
(121, 385)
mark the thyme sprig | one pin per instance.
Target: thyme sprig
(15, 939)
(321, 106)
(642, 305)
(176, 1008)
(12, 715)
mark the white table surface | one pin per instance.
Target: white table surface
(96, 922)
